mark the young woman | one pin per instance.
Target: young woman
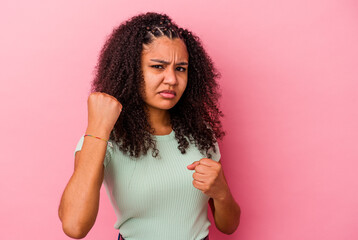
(153, 125)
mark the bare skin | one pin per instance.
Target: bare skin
(208, 176)
(158, 76)
(80, 200)
(164, 66)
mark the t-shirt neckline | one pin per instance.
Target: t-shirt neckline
(165, 137)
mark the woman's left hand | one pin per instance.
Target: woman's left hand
(209, 178)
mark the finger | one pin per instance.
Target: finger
(198, 185)
(207, 162)
(202, 169)
(199, 177)
(193, 165)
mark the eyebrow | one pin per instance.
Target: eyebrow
(164, 62)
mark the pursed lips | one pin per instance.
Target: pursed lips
(168, 91)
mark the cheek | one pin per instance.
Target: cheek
(184, 84)
(150, 88)
(148, 82)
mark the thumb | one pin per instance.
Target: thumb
(193, 165)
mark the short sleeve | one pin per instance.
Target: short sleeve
(79, 145)
(215, 156)
(108, 150)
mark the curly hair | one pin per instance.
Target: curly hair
(194, 118)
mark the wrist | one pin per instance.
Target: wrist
(97, 132)
(224, 196)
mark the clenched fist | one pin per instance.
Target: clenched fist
(103, 112)
(209, 178)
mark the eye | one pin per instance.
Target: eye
(157, 66)
(181, 69)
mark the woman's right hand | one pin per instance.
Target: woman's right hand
(80, 200)
(103, 112)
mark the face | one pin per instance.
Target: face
(165, 68)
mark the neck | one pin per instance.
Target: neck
(159, 120)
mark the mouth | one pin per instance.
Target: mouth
(168, 94)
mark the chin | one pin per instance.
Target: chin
(166, 106)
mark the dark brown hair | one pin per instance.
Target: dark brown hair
(194, 118)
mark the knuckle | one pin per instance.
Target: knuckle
(203, 160)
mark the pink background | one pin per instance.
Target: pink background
(290, 96)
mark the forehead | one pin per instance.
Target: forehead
(163, 47)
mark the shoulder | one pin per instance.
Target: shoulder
(215, 152)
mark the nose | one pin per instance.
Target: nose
(170, 76)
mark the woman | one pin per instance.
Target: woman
(155, 89)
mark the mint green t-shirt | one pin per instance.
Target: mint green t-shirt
(154, 199)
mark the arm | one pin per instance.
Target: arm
(80, 200)
(226, 213)
(210, 179)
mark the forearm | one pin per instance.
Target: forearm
(80, 200)
(226, 213)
